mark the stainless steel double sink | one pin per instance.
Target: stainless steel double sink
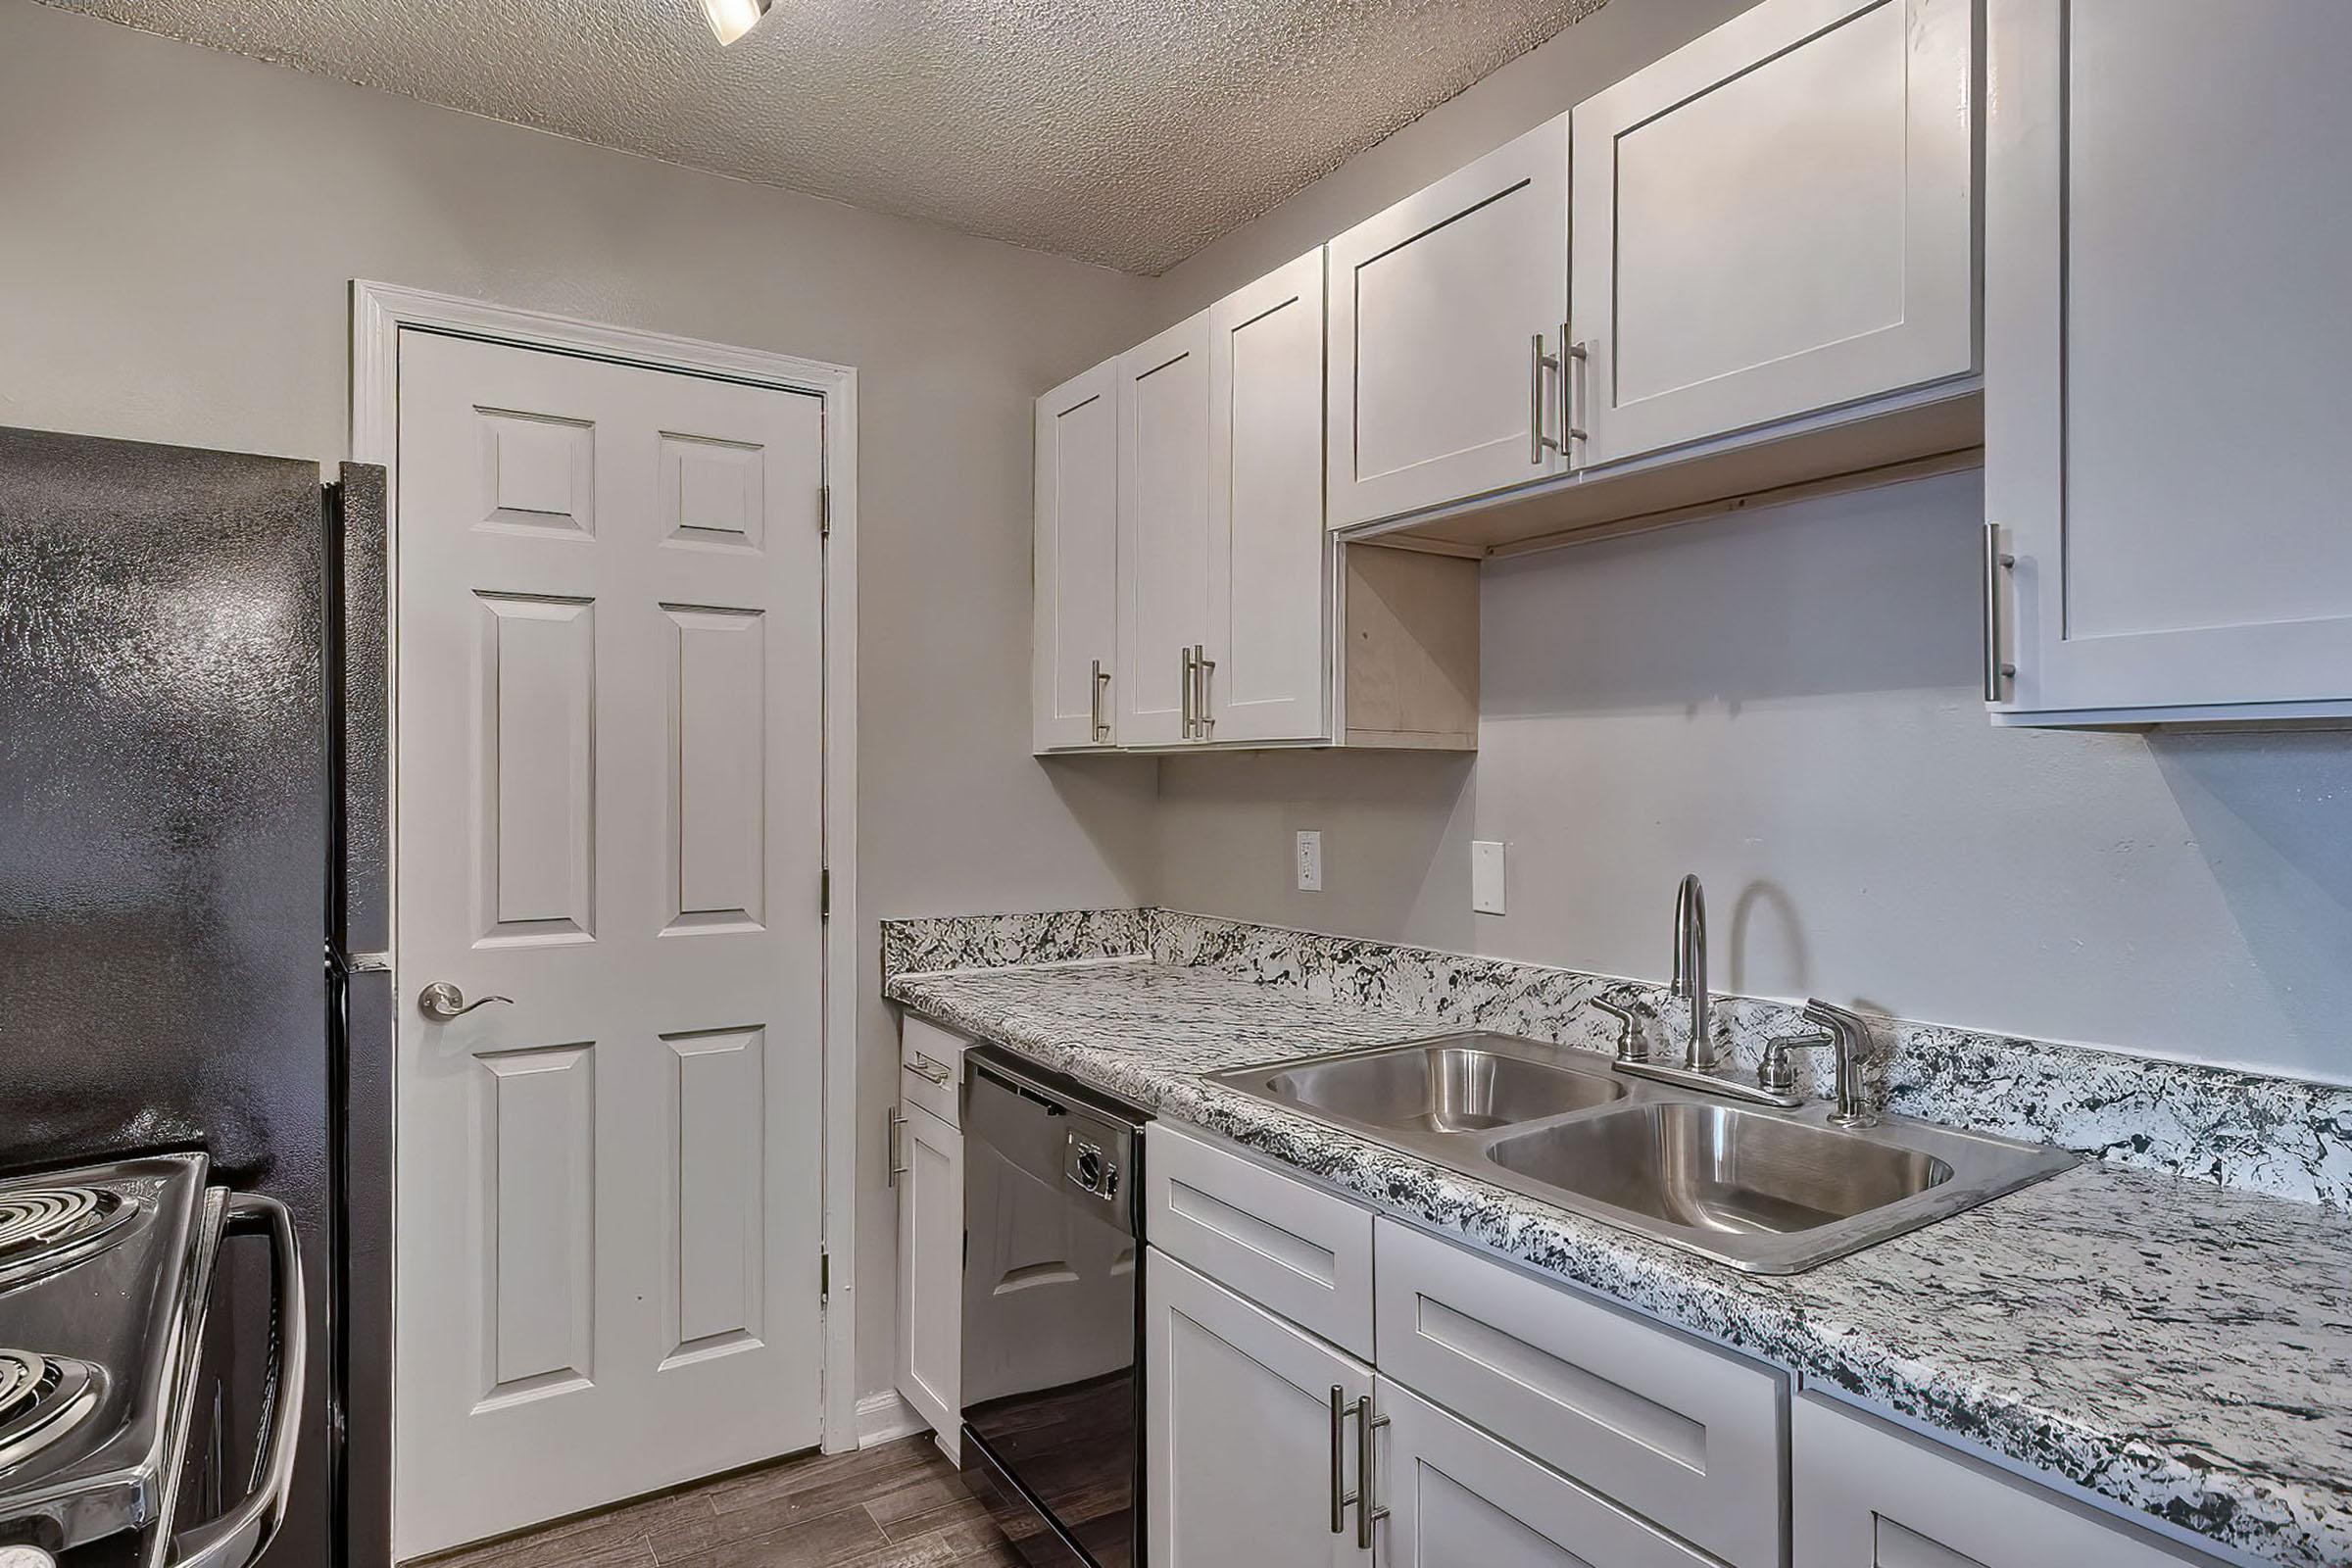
(1767, 1192)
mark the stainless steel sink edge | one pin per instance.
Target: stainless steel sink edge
(1984, 1166)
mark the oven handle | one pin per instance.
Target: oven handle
(237, 1537)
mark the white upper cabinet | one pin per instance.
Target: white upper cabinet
(1074, 577)
(1163, 534)
(1436, 392)
(1775, 220)
(1268, 639)
(2168, 349)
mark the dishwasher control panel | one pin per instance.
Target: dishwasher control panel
(1092, 1163)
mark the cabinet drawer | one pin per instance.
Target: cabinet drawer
(1292, 1247)
(931, 1068)
(1689, 1436)
(1867, 1495)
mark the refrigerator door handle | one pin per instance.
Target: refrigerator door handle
(238, 1537)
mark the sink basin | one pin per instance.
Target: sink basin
(1719, 1168)
(1765, 1191)
(1461, 1083)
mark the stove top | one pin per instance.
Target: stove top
(102, 1271)
(43, 1228)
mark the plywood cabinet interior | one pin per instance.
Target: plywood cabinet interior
(1074, 645)
(2167, 344)
(1408, 650)
(1777, 219)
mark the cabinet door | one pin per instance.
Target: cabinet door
(1777, 219)
(1163, 531)
(1435, 308)
(1074, 647)
(1691, 1436)
(2167, 337)
(1865, 1496)
(1238, 1431)
(1458, 1499)
(1268, 587)
(929, 1171)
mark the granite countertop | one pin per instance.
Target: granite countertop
(2175, 1348)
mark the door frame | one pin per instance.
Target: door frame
(379, 313)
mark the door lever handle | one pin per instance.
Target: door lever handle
(441, 1002)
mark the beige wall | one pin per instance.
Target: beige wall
(177, 230)
(1787, 704)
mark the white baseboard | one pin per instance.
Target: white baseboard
(885, 1417)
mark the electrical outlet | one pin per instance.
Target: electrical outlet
(1486, 876)
(1310, 860)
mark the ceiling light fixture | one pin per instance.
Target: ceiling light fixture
(730, 19)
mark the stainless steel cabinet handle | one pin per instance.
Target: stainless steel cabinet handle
(239, 1536)
(1537, 362)
(1997, 561)
(1188, 690)
(1203, 668)
(923, 1066)
(897, 1170)
(1572, 358)
(1340, 1498)
(441, 1002)
(1367, 1512)
(1096, 696)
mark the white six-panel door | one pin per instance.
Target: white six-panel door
(1776, 219)
(1268, 615)
(1164, 532)
(609, 767)
(1434, 306)
(1074, 571)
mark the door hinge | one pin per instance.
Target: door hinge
(824, 512)
(824, 894)
(824, 1276)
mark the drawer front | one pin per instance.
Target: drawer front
(931, 1068)
(1292, 1247)
(1689, 1436)
(1867, 1495)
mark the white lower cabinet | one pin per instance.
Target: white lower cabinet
(1509, 1423)
(1460, 1499)
(1866, 1495)
(1690, 1436)
(927, 1167)
(1244, 1450)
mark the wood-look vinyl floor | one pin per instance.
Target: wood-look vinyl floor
(896, 1505)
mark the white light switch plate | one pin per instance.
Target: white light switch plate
(1310, 860)
(1486, 876)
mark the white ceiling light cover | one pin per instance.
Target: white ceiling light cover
(730, 19)
(1129, 132)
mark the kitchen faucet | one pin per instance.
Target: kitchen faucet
(1691, 971)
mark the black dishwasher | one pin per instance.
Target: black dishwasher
(1052, 1370)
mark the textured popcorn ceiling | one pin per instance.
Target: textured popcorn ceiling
(1130, 132)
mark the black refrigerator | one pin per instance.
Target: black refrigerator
(194, 899)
